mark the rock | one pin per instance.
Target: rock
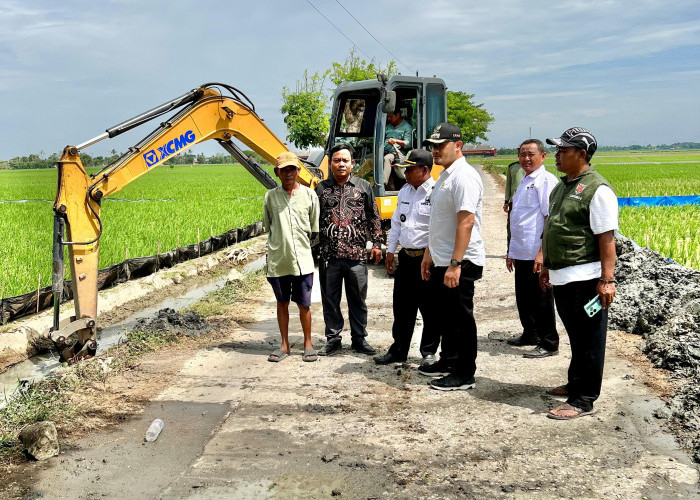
(40, 440)
(234, 277)
(662, 413)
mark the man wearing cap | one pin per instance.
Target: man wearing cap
(454, 259)
(290, 215)
(398, 132)
(348, 215)
(578, 247)
(529, 211)
(409, 228)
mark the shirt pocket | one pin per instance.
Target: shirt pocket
(424, 209)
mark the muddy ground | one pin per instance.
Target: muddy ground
(237, 426)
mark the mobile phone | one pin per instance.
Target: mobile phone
(594, 306)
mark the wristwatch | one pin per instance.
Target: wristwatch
(455, 263)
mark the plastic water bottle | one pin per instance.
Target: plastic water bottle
(154, 430)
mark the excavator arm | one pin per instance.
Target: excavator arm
(205, 114)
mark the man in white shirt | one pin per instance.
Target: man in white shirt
(409, 228)
(454, 259)
(578, 247)
(529, 210)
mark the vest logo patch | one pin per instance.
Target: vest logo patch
(580, 188)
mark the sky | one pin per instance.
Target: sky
(627, 71)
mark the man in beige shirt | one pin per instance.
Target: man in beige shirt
(290, 214)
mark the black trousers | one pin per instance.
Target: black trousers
(332, 274)
(455, 318)
(535, 307)
(411, 294)
(587, 337)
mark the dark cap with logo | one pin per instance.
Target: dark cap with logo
(576, 137)
(443, 133)
(417, 158)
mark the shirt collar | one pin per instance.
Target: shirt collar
(427, 185)
(352, 180)
(537, 172)
(457, 163)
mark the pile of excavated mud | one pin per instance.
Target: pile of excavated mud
(660, 300)
(188, 324)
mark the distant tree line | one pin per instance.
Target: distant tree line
(40, 160)
(633, 147)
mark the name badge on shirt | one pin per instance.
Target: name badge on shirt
(424, 207)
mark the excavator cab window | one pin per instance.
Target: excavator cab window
(356, 127)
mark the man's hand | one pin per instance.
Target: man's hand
(539, 259)
(389, 263)
(425, 265)
(544, 279)
(452, 276)
(606, 292)
(505, 207)
(375, 254)
(509, 264)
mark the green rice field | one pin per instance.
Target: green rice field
(167, 206)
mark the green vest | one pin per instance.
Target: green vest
(568, 239)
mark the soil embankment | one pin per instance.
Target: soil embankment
(237, 426)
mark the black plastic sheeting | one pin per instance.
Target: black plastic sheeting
(12, 308)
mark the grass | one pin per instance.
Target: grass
(216, 302)
(167, 207)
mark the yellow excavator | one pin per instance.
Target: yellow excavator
(219, 112)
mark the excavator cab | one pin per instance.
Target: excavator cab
(359, 118)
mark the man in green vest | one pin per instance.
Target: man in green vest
(578, 246)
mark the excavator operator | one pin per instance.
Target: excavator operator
(398, 133)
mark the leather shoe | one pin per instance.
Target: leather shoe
(363, 347)
(521, 340)
(331, 347)
(428, 359)
(388, 359)
(539, 352)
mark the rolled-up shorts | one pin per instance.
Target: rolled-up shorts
(298, 288)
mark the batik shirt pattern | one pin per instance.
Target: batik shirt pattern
(349, 218)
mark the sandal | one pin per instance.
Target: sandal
(573, 412)
(310, 355)
(560, 390)
(277, 356)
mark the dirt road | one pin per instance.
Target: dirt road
(237, 426)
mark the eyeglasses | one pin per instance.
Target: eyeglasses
(526, 155)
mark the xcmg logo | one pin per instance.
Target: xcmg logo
(152, 157)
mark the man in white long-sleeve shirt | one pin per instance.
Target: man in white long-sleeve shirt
(409, 229)
(530, 208)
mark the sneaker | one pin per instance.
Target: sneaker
(428, 359)
(437, 369)
(388, 359)
(522, 340)
(453, 383)
(540, 352)
(331, 347)
(363, 347)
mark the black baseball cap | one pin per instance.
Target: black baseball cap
(576, 137)
(417, 158)
(444, 132)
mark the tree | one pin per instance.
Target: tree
(355, 69)
(471, 118)
(305, 110)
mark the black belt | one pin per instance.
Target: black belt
(414, 252)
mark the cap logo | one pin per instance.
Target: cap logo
(580, 188)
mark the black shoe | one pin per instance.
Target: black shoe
(363, 347)
(437, 369)
(331, 347)
(521, 341)
(388, 359)
(453, 383)
(428, 360)
(540, 352)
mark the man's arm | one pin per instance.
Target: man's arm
(394, 235)
(465, 223)
(606, 285)
(266, 213)
(374, 224)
